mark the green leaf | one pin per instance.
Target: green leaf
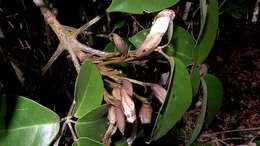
(138, 7)
(195, 80)
(208, 36)
(138, 38)
(119, 25)
(177, 102)
(26, 123)
(181, 45)
(96, 121)
(110, 47)
(88, 90)
(84, 141)
(201, 117)
(215, 94)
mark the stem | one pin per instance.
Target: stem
(230, 131)
(117, 61)
(87, 25)
(72, 132)
(140, 98)
(132, 81)
(111, 73)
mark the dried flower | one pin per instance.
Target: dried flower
(128, 87)
(128, 106)
(109, 133)
(158, 29)
(111, 99)
(116, 93)
(120, 44)
(120, 120)
(112, 115)
(159, 92)
(145, 113)
(149, 45)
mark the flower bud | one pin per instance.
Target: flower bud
(149, 45)
(120, 44)
(120, 120)
(128, 87)
(145, 113)
(128, 106)
(112, 115)
(159, 92)
(158, 29)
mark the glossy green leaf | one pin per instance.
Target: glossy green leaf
(215, 94)
(208, 36)
(88, 90)
(26, 123)
(95, 121)
(181, 45)
(138, 38)
(177, 102)
(84, 141)
(200, 120)
(195, 80)
(138, 7)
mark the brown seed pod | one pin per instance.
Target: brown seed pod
(112, 115)
(116, 93)
(111, 99)
(158, 29)
(149, 45)
(145, 113)
(128, 87)
(128, 106)
(120, 120)
(159, 92)
(120, 44)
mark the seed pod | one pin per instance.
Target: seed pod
(128, 106)
(109, 133)
(145, 113)
(149, 45)
(159, 92)
(120, 120)
(112, 115)
(116, 93)
(120, 44)
(158, 29)
(111, 99)
(128, 87)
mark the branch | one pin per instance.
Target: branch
(67, 38)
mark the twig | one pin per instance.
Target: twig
(223, 142)
(230, 131)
